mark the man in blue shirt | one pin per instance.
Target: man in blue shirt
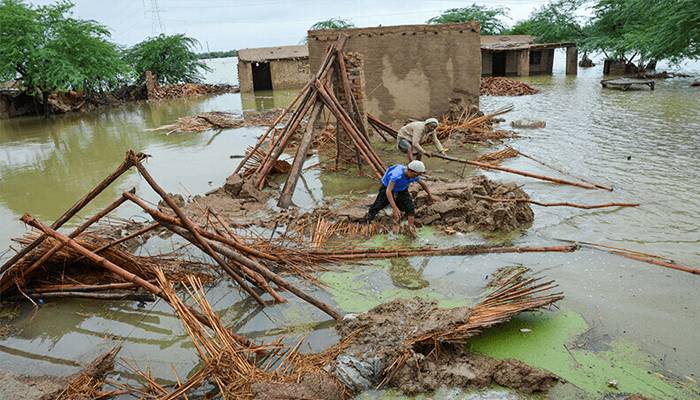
(394, 192)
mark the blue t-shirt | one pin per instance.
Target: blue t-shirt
(396, 174)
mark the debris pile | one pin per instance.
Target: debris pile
(203, 122)
(501, 86)
(416, 347)
(473, 126)
(189, 90)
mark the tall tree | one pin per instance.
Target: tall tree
(489, 18)
(172, 58)
(47, 50)
(553, 22)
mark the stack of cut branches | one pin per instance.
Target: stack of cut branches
(501, 86)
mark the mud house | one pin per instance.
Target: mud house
(411, 71)
(519, 55)
(268, 68)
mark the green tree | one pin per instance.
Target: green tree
(333, 23)
(489, 18)
(554, 22)
(645, 31)
(171, 58)
(48, 51)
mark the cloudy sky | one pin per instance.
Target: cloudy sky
(235, 24)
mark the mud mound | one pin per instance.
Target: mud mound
(458, 208)
(469, 370)
(378, 337)
(312, 387)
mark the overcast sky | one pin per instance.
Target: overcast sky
(226, 25)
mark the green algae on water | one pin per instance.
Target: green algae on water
(545, 346)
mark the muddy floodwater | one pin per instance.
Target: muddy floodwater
(624, 321)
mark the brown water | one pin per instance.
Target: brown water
(643, 143)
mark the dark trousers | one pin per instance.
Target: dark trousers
(403, 200)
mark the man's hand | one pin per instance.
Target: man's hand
(396, 214)
(432, 199)
(428, 154)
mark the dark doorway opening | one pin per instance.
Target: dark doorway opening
(262, 79)
(498, 66)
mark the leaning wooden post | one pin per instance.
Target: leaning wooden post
(124, 274)
(516, 172)
(77, 231)
(121, 169)
(306, 141)
(190, 227)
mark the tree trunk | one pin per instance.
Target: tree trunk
(45, 100)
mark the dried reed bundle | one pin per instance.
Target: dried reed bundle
(496, 157)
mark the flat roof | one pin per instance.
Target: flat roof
(273, 53)
(517, 42)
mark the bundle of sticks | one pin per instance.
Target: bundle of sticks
(316, 95)
(501, 86)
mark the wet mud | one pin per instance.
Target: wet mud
(378, 337)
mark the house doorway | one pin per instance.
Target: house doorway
(262, 79)
(498, 65)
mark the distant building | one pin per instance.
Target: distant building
(519, 55)
(411, 71)
(268, 68)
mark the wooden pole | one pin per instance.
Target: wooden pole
(190, 227)
(121, 169)
(382, 125)
(124, 274)
(365, 254)
(349, 129)
(241, 261)
(559, 204)
(561, 171)
(264, 136)
(515, 171)
(290, 184)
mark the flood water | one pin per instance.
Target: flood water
(644, 143)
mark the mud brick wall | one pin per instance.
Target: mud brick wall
(285, 74)
(411, 71)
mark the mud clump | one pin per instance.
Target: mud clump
(313, 386)
(379, 336)
(459, 208)
(469, 370)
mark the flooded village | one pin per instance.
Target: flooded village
(466, 203)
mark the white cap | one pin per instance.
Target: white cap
(432, 121)
(416, 166)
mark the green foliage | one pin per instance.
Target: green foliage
(171, 58)
(489, 18)
(217, 54)
(333, 23)
(554, 22)
(49, 51)
(646, 29)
